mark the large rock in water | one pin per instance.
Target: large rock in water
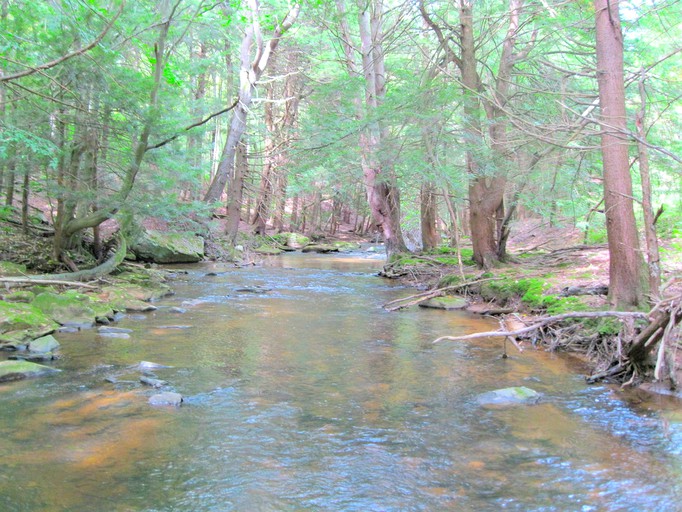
(509, 396)
(20, 323)
(44, 344)
(160, 247)
(448, 303)
(69, 308)
(17, 370)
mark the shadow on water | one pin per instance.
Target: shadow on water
(302, 393)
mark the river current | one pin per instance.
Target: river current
(303, 394)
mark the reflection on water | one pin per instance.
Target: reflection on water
(309, 396)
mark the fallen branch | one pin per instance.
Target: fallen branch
(546, 321)
(424, 296)
(28, 280)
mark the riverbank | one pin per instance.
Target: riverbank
(553, 292)
(551, 274)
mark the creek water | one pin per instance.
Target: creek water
(302, 393)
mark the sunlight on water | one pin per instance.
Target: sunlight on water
(302, 393)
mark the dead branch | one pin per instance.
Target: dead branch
(546, 321)
(27, 281)
(395, 305)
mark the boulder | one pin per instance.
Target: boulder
(320, 248)
(296, 240)
(24, 296)
(166, 398)
(162, 247)
(347, 246)
(43, 345)
(21, 323)
(17, 370)
(518, 395)
(69, 308)
(448, 303)
(268, 250)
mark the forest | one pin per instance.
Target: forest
(421, 124)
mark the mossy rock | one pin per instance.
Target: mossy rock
(447, 303)
(145, 288)
(320, 248)
(125, 298)
(68, 308)
(17, 370)
(8, 268)
(162, 247)
(296, 240)
(20, 323)
(346, 246)
(44, 344)
(24, 296)
(268, 250)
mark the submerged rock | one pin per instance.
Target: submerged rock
(150, 381)
(148, 365)
(167, 398)
(107, 329)
(518, 395)
(17, 370)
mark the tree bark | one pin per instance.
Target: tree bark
(249, 74)
(428, 212)
(653, 255)
(383, 194)
(626, 286)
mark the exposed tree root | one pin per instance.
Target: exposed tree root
(90, 274)
(622, 358)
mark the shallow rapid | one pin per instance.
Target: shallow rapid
(302, 393)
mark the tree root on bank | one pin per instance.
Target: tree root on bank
(90, 274)
(623, 357)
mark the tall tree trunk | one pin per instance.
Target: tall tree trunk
(653, 255)
(486, 193)
(428, 207)
(235, 197)
(383, 194)
(249, 74)
(626, 286)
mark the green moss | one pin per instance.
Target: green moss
(68, 307)
(20, 296)
(20, 323)
(7, 268)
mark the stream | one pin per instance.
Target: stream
(303, 394)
